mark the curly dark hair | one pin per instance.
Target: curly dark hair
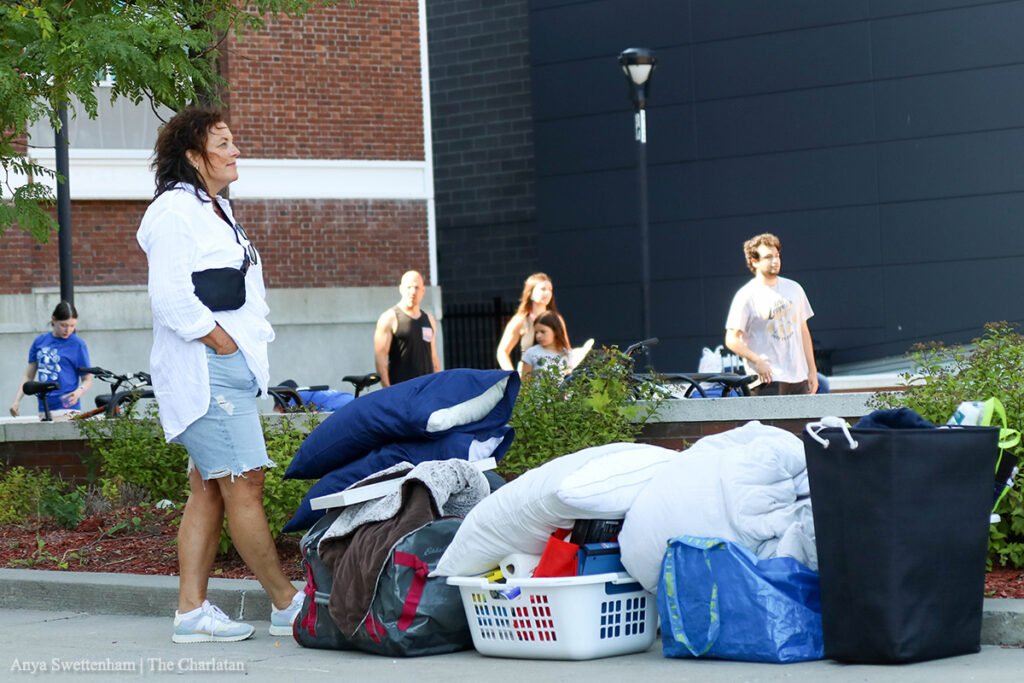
(765, 239)
(186, 131)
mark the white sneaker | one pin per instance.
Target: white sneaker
(208, 624)
(281, 620)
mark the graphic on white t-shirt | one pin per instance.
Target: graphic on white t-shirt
(780, 320)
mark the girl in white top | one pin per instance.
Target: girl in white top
(552, 347)
(208, 363)
(538, 297)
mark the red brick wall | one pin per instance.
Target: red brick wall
(103, 246)
(337, 243)
(304, 243)
(343, 83)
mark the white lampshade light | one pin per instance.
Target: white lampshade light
(638, 64)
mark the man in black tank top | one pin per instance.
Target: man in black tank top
(404, 344)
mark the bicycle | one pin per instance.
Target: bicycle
(732, 384)
(119, 401)
(289, 397)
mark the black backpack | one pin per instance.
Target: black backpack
(411, 614)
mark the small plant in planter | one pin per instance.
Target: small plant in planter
(943, 378)
(600, 403)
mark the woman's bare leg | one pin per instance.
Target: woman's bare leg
(198, 537)
(250, 532)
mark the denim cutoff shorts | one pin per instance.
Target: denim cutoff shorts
(228, 439)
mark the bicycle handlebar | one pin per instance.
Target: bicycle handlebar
(641, 344)
(101, 373)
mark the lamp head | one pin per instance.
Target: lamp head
(638, 64)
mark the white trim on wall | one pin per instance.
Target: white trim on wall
(125, 174)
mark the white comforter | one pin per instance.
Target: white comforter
(748, 485)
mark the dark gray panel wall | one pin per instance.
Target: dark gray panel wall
(882, 140)
(483, 147)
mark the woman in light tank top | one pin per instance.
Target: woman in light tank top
(538, 297)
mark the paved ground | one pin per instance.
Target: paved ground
(64, 642)
(118, 626)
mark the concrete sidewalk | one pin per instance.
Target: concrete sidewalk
(119, 626)
(242, 599)
(127, 648)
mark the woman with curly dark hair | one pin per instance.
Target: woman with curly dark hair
(209, 363)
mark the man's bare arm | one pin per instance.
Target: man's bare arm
(433, 344)
(735, 342)
(382, 344)
(812, 367)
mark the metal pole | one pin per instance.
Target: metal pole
(60, 143)
(645, 250)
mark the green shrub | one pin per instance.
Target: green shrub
(943, 378)
(66, 508)
(21, 490)
(26, 493)
(601, 404)
(134, 450)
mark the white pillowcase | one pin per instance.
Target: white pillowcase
(595, 483)
(468, 411)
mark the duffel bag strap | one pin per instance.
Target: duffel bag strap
(309, 621)
(374, 628)
(419, 580)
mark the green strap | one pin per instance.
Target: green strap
(1008, 438)
(678, 628)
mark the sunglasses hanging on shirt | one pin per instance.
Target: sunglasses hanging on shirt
(251, 255)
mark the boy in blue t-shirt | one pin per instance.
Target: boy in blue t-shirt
(56, 356)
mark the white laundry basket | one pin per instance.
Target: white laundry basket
(570, 617)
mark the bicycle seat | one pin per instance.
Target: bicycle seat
(360, 382)
(35, 388)
(285, 396)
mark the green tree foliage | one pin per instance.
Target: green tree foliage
(945, 377)
(54, 53)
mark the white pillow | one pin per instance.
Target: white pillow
(610, 483)
(519, 516)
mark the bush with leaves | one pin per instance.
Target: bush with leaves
(27, 493)
(943, 377)
(21, 490)
(600, 403)
(134, 450)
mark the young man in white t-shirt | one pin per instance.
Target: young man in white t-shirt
(767, 324)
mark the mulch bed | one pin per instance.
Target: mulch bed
(128, 541)
(142, 541)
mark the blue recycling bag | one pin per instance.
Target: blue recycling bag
(717, 599)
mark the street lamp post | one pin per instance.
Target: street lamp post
(67, 285)
(638, 63)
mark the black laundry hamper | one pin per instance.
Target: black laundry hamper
(901, 523)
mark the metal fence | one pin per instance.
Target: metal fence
(472, 332)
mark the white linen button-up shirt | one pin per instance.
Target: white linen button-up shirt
(181, 235)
